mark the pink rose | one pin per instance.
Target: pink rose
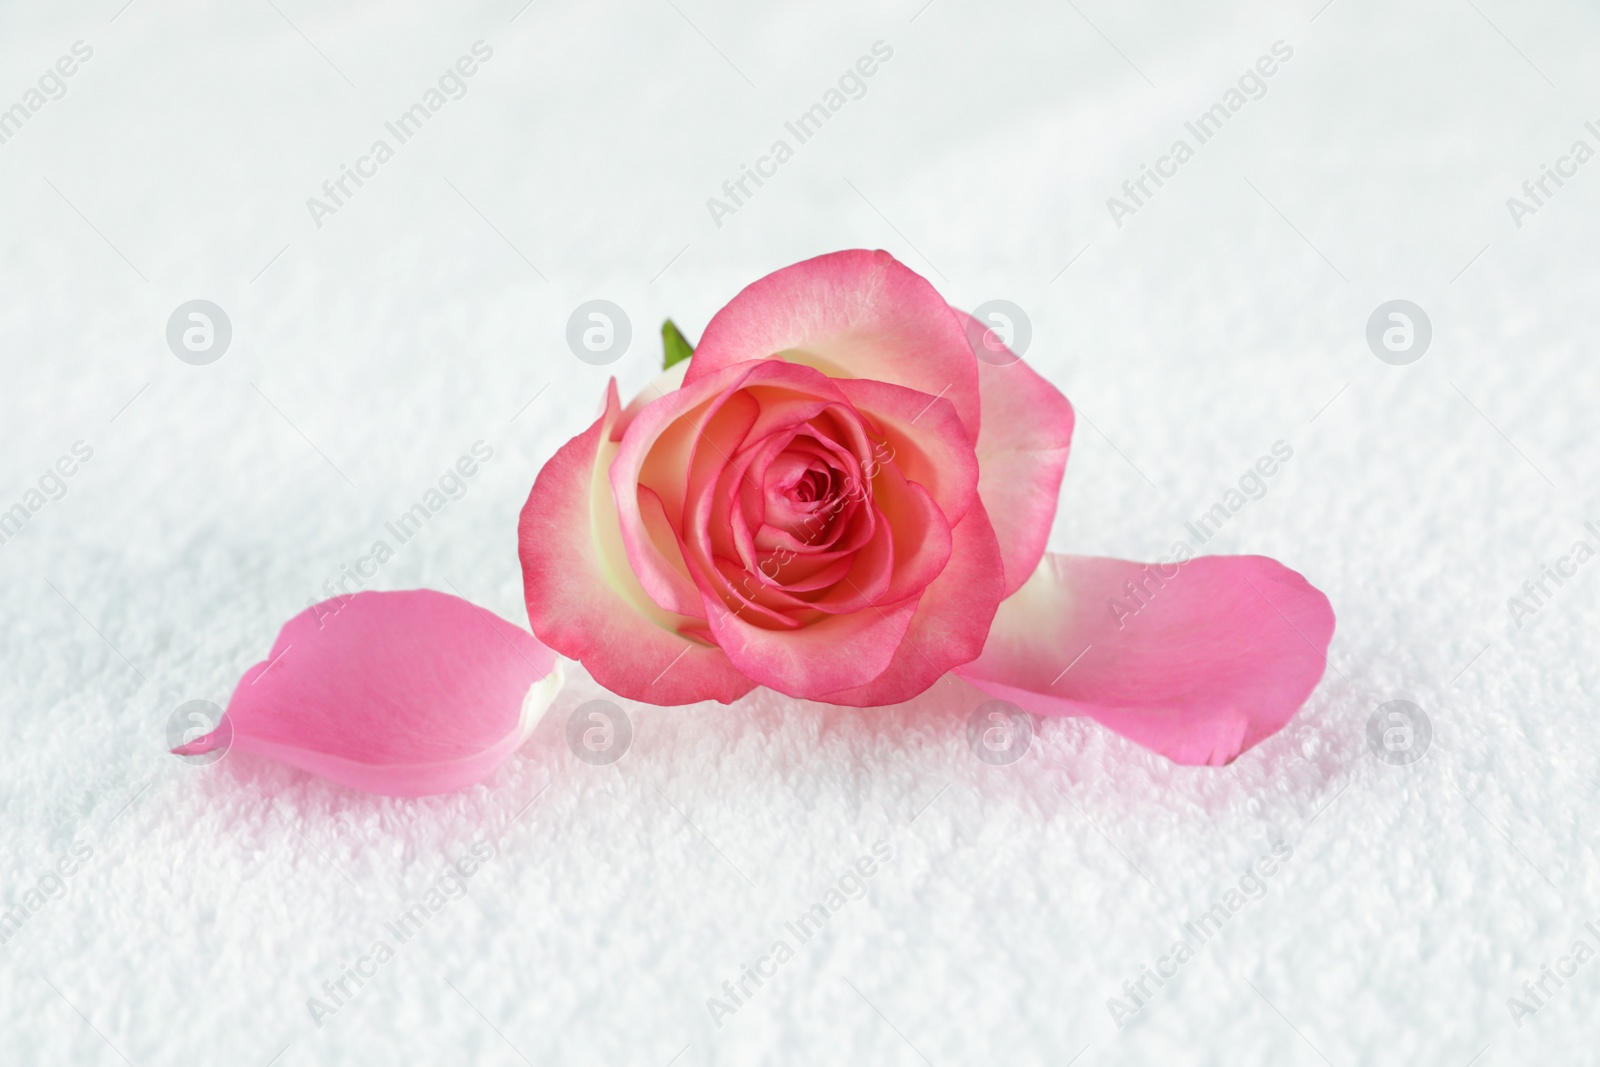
(835, 498)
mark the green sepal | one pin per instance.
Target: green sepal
(676, 347)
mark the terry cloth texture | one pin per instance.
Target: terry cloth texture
(381, 328)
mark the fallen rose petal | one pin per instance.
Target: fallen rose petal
(1197, 661)
(401, 693)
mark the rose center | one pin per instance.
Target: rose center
(804, 496)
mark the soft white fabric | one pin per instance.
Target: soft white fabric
(432, 308)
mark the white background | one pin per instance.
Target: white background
(369, 353)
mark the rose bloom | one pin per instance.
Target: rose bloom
(835, 498)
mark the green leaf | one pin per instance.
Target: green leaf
(677, 348)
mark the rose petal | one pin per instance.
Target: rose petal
(952, 619)
(1022, 454)
(659, 386)
(837, 652)
(402, 693)
(923, 440)
(662, 442)
(921, 534)
(1219, 656)
(583, 598)
(853, 314)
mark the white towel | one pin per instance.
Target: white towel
(377, 338)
